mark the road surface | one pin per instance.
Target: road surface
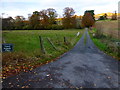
(85, 66)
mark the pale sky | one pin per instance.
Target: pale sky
(25, 7)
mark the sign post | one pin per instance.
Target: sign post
(7, 47)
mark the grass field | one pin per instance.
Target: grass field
(27, 51)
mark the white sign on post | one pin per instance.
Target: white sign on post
(78, 33)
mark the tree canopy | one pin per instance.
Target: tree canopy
(88, 19)
(69, 20)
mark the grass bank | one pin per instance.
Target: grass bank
(27, 52)
(106, 43)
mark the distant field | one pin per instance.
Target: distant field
(108, 28)
(27, 51)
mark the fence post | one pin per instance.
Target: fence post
(41, 45)
(52, 44)
(65, 40)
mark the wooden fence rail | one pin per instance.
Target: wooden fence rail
(52, 43)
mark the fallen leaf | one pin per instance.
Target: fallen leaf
(11, 86)
(48, 75)
(26, 86)
(10, 83)
(18, 85)
(23, 87)
(17, 78)
(109, 77)
(94, 84)
(51, 79)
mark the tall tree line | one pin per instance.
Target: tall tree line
(47, 20)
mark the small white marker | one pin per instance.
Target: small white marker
(78, 33)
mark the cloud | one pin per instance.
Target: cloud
(102, 9)
(24, 7)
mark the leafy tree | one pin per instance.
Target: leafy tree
(35, 13)
(91, 12)
(7, 23)
(101, 18)
(44, 19)
(68, 12)
(104, 17)
(78, 21)
(51, 13)
(19, 22)
(69, 21)
(88, 20)
(34, 22)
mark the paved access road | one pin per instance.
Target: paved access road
(85, 66)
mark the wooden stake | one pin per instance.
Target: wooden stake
(41, 45)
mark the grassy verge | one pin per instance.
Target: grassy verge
(27, 51)
(106, 44)
(85, 39)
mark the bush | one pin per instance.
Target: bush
(101, 18)
(26, 27)
(37, 27)
(54, 27)
(49, 27)
(57, 27)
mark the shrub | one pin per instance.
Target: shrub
(101, 18)
(26, 27)
(49, 27)
(54, 27)
(57, 27)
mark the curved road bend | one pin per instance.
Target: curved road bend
(85, 66)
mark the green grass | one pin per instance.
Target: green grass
(98, 43)
(28, 41)
(27, 50)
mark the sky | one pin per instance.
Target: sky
(25, 7)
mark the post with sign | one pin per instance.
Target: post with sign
(7, 47)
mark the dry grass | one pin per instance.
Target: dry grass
(109, 28)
